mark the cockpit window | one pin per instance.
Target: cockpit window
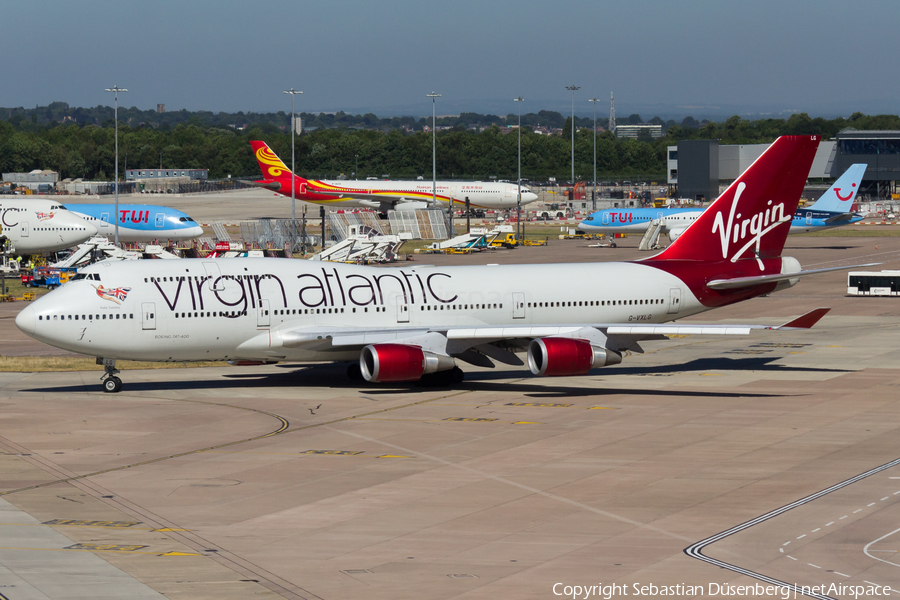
(91, 276)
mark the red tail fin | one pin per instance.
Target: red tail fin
(272, 167)
(752, 218)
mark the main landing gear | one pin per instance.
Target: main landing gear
(111, 383)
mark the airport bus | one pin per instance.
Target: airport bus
(873, 283)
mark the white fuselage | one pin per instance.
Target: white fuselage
(491, 195)
(198, 309)
(37, 226)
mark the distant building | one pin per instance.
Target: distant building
(138, 174)
(634, 131)
(880, 150)
(700, 167)
(38, 181)
(160, 108)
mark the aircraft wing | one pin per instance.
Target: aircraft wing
(494, 341)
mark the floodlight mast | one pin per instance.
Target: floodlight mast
(519, 180)
(594, 101)
(116, 89)
(293, 93)
(573, 89)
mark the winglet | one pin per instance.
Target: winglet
(805, 321)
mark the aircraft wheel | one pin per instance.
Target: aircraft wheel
(112, 385)
(456, 375)
(613, 245)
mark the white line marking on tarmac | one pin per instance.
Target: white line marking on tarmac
(870, 504)
(781, 550)
(858, 509)
(885, 498)
(812, 565)
(829, 524)
(785, 544)
(801, 536)
(816, 529)
(791, 557)
(839, 573)
(844, 517)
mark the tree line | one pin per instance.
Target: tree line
(83, 149)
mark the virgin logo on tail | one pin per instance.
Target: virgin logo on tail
(752, 229)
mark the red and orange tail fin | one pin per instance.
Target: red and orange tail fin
(272, 167)
(752, 218)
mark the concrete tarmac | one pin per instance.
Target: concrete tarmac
(290, 481)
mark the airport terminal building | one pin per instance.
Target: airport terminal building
(701, 168)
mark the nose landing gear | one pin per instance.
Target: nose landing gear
(111, 383)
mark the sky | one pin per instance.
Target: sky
(670, 58)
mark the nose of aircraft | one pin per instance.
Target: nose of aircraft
(78, 225)
(25, 320)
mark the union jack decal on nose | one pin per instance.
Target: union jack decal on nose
(116, 295)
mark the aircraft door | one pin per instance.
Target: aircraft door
(160, 219)
(148, 315)
(104, 219)
(518, 305)
(809, 216)
(402, 310)
(674, 300)
(24, 228)
(262, 315)
(605, 219)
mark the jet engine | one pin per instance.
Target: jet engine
(558, 356)
(399, 362)
(675, 233)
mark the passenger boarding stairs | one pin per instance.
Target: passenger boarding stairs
(362, 246)
(650, 241)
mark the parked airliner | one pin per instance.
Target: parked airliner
(384, 195)
(139, 222)
(832, 209)
(36, 226)
(403, 324)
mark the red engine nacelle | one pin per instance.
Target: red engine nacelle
(399, 362)
(555, 357)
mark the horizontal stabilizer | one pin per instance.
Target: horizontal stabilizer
(739, 282)
(805, 321)
(266, 183)
(841, 218)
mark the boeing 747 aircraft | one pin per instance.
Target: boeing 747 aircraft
(36, 226)
(832, 209)
(413, 322)
(139, 222)
(384, 195)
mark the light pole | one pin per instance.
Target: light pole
(594, 101)
(433, 97)
(519, 179)
(573, 88)
(356, 170)
(115, 90)
(293, 93)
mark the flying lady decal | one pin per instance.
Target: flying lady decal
(116, 295)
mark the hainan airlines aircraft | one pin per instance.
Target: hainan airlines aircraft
(403, 324)
(384, 195)
(38, 226)
(832, 209)
(139, 222)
